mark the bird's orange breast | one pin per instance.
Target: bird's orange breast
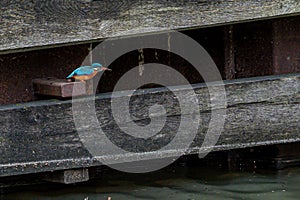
(85, 77)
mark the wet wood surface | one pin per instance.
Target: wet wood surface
(47, 23)
(41, 136)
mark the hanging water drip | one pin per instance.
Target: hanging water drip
(141, 61)
(156, 55)
(169, 48)
(90, 54)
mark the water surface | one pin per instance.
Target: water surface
(179, 182)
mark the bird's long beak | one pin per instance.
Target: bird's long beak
(104, 68)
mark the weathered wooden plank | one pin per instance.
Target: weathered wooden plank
(41, 136)
(43, 23)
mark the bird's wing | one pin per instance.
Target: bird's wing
(84, 70)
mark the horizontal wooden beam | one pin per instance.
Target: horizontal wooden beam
(41, 136)
(47, 23)
(69, 176)
(60, 88)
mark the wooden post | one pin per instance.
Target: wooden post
(286, 45)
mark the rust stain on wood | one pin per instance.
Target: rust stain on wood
(19, 69)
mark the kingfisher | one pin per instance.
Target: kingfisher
(84, 73)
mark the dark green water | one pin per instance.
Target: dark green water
(180, 182)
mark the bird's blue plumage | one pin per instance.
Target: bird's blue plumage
(84, 70)
(96, 65)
